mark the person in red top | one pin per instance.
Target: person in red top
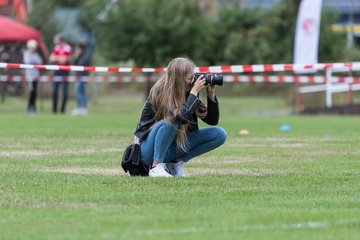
(61, 55)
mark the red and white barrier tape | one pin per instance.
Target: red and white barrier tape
(289, 79)
(227, 78)
(44, 78)
(210, 69)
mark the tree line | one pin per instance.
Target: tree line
(151, 32)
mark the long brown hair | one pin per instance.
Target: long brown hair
(168, 94)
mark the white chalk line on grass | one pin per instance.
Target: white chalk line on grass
(216, 229)
(191, 171)
(243, 227)
(15, 154)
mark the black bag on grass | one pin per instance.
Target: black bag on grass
(131, 161)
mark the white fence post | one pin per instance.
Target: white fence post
(328, 87)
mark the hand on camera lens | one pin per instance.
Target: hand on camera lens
(210, 89)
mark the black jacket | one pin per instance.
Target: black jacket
(187, 115)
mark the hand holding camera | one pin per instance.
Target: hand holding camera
(198, 84)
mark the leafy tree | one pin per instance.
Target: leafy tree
(41, 16)
(235, 35)
(43, 9)
(253, 36)
(280, 25)
(149, 32)
(282, 22)
(332, 45)
(152, 32)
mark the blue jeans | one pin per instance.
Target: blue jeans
(60, 77)
(80, 93)
(160, 145)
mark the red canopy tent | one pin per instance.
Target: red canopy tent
(11, 30)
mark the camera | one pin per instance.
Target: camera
(210, 79)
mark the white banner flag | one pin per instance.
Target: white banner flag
(307, 33)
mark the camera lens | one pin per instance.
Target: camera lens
(218, 80)
(214, 79)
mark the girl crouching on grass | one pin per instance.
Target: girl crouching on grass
(168, 128)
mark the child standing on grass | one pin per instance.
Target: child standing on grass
(168, 128)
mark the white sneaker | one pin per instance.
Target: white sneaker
(83, 111)
(176, 169)
(159, 170)
(75, 112)
(79, 111)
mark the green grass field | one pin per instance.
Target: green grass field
(60, 177)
